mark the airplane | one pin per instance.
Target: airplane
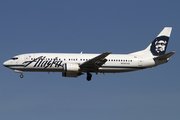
(74, 65)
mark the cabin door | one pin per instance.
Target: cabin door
(140, 62)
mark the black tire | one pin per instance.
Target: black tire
(21, 76)
(89, 75)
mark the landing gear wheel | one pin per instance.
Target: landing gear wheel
(89, 75)
(21, 76)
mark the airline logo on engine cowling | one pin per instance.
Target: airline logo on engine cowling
(44, 62)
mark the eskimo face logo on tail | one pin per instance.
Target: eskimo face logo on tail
(159, 45)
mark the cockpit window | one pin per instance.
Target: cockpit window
(14, 58)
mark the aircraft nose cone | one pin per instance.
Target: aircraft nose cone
(6, 63)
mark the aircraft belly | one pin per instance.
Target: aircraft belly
(40, 69)
(118, 70)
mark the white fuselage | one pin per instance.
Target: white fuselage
(53, 62)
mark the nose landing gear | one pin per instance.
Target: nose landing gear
(18, 71)
(89, 75)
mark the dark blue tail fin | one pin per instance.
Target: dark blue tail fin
(159, 44)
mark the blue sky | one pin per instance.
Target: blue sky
(94, 26)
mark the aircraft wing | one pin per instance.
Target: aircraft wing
(94, 63)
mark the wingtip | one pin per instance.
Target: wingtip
(108, 52)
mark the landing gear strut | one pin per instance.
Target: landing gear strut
(18, 71)
(89, 75)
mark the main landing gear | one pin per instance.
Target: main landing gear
(21, 76)
(89, 75)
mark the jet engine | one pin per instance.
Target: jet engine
(71, 74)
(71, 70)
(71, 67)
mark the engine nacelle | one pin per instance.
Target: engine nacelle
(71, 67)
(70, 74)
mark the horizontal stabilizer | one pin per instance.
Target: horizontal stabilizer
(164, 56)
